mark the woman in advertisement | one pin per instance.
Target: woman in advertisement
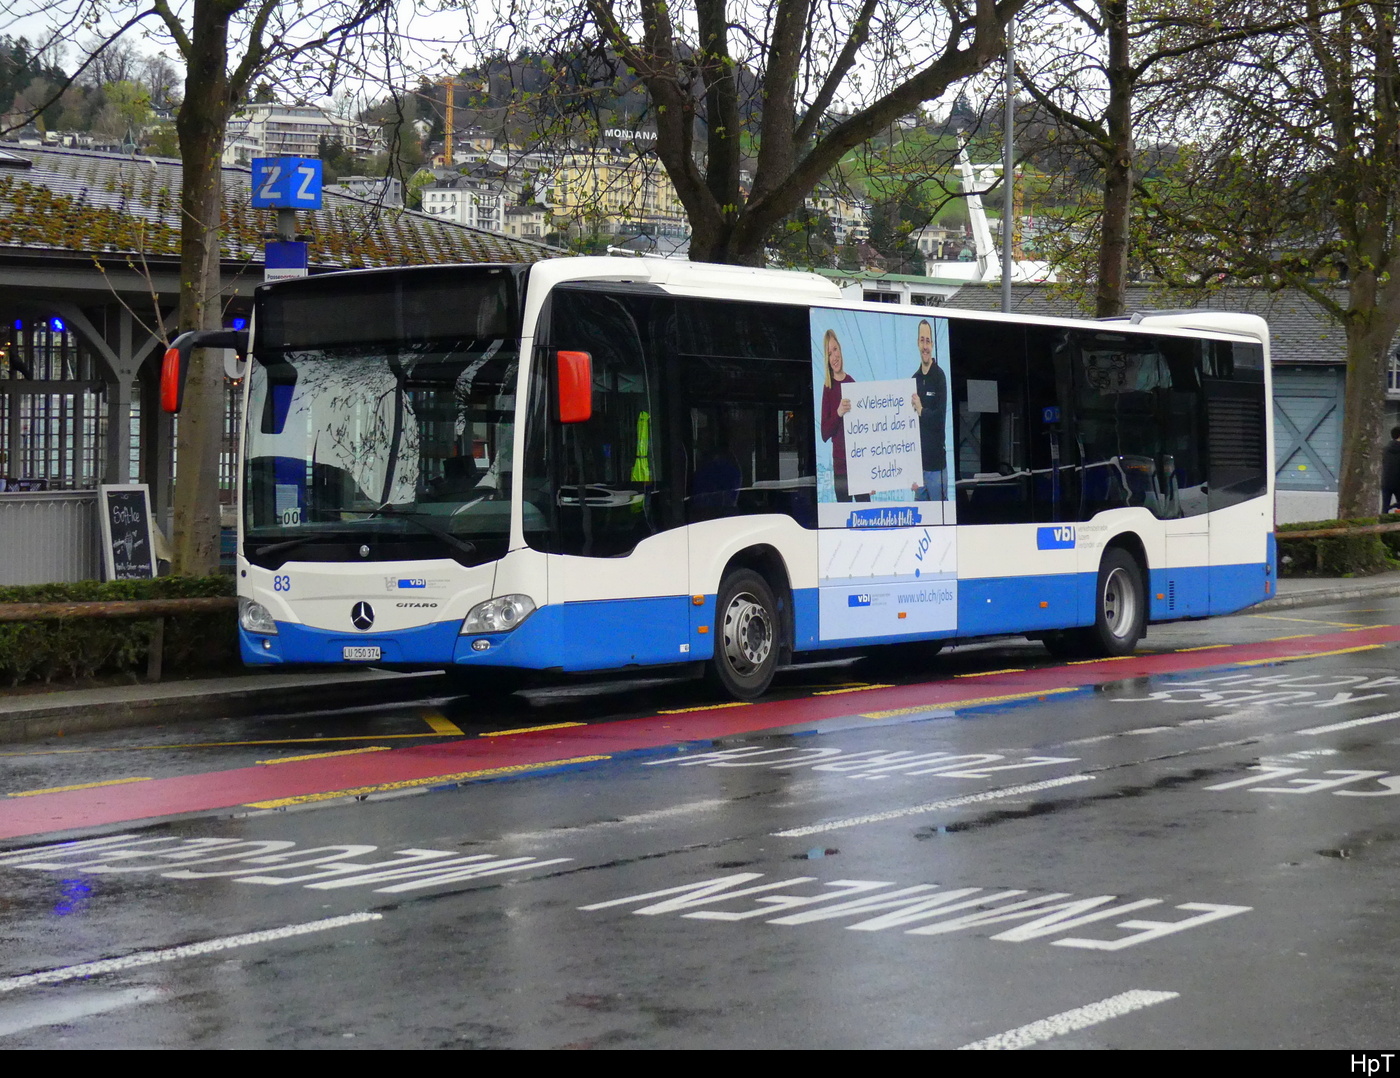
(834, 409)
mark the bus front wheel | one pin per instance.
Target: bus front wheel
(746, 636)
(1120, 613)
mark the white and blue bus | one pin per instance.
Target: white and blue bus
(589, 464)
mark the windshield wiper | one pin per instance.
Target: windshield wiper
(466, 546)
(289, 544)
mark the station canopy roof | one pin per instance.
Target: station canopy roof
(106, 204)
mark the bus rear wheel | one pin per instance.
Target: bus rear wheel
(1120, 613)
(746, 636)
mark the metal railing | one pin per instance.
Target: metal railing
(49, 538)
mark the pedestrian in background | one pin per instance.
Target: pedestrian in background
(1390, 473)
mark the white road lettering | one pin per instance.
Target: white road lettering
(1275, 690)
(1046, 915)
(1264, 772)
(272, 863)
(1152, 930)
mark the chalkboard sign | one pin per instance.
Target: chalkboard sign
(128, 548)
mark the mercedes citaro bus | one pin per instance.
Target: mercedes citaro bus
(591, 464)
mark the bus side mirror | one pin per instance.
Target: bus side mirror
(175, 367)
(574, 377)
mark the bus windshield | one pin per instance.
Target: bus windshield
(388, 449)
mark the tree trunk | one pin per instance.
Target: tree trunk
(1118, 165)
(1370, 328)
(200, 123)
(715, 240)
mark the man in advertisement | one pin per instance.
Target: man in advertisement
(931, 406)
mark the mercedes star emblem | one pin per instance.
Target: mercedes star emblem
(362, 614)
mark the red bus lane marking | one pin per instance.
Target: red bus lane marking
(527, 752)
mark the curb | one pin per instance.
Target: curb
(1326, 598)
(62, 717)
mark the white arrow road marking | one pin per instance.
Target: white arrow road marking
(188, 950)
(934, 806)
(1068, 1021)
(1350, 723)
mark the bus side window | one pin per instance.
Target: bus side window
(1118, 433)
(606, 474)
(745, 381)
(1234, 398)
(994, 480)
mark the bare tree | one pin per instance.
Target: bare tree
(1294, 181)
(1111, 80)
(162, 82)
(743, 96)
(225, 45)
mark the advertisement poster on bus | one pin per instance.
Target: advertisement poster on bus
(884, 481)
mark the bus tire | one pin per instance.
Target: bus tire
(1120, 613)
(1120, 605)
(747, 636)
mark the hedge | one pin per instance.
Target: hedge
(1345, 555)
(74, 649)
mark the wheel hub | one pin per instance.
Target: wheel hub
(1119, 603)
(748, 634)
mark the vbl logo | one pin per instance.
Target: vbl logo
(861, 599)
(1058, 537)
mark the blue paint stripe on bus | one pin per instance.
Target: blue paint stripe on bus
(601, 635)
(573, 636)
(612, 634)
(425, 644)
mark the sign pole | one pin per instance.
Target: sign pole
(286, 184)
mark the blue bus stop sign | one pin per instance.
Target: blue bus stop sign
(287, 183)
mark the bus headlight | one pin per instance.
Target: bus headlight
(499, 615)
(255, 617)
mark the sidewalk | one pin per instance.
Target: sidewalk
(32, 716)
(1319, 591)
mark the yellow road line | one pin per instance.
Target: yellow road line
(953, 705)
(1295, 636)
(989, 673)
(1206, 647)
(704, 707)
(441, 724)
(533, 729)
(1111, 659)
(1309, 655)
(432, 780)
(324, 755)
(224, 744)
(79, 786)
(853, 688)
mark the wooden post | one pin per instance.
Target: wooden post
(156, 655)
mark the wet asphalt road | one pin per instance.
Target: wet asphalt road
(1197, 859)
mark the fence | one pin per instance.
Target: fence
(49, 538)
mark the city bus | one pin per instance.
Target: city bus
(512, 472)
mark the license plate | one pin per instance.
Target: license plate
(350, 654)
